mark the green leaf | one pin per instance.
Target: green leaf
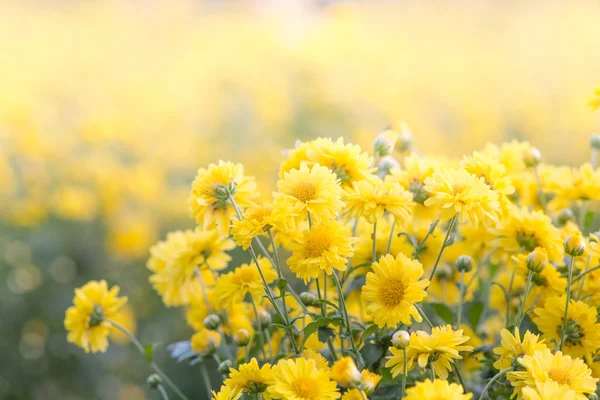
(324, 333)
(278, 326)
(372, 352)
(443, 312)
(355, 284)
(475, 314)
(323, 301)
(148, 352)
(313, 326)
(410, 238)
(368, 332)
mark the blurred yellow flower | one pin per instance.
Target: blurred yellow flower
(512, 347)
(300, 379)
(437, 389)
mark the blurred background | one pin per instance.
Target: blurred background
(108, 108)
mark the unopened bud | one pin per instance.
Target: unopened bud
(345, 373)
(537, 260)
(265, 318)
(401, 339)
(595, 141)
(154, 381)
(464, 263)
(532, 157)
(308, 298)
(241, 337)
(386, 164)
(225, 366)
(565, 215)
(384, 143)
(574, 244)
(212, 322)
(444, 272)
(97, 316)
(405, 138)
(593, 396)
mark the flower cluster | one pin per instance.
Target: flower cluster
(396, 275)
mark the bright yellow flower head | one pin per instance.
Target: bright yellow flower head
(86, 321)
(353, 394)
(491, 170)
(436, 390)
(250, 378)
(314, 190)
(234, 286)
(373, 197)
(582, 337)
(175, 260)
(324, 247)
(548, 390)
(543, 366)
(206, 341)
(345, 372)
(300, 379)
(320, 361)
(392, 289)
(512, 347)
(443, 346)
(225, 393)
(369, 381)
(457, 191)
(595, 100)
(547, 282)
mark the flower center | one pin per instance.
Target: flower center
(317, 244)
(96, 317)
(304, 387)
(573, 333)
(419, 193)
(255, 387)
(391, 293)
(342, 173)
(304, 191)
(527, 241)
(560, 376)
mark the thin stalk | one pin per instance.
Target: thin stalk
(461, 295)
(363, 395)
(460, 378)
(587, 264)
(203, 288)
(261, 333)
(420, 310)
(432, 371)
(580, 276)
(389, 244)
(206, 379)
(346, 317)
(163, 392)
(142, 350)
(540, 193)
(509, 296)
(569, 283)
(404, 372)
(374, 247)
(582, 212)
(520, 314)
(489, 384)
(444, 245)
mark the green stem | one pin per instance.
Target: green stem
(261, 333)
(162, 392)
(520, 314)
(491, 381)
(444, 245)
(509, 296)
(461, 296)
(389, 244)
(374, 247)
(404, 372)
(587, 264)
(587, 271)
(460, 378)
(206, 379)
(142, 350)
(347, 319)
(203, 288)
(420, 310)
(569, 283)
(540, 193)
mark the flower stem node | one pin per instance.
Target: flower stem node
(308, 298)
(595, 144)
(574, 244)
(418, 191)
(401, 339)
(241, 337)
(537, 260)
(212, 322)
(464, 263)
(154, 381)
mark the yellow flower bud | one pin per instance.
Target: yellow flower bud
(532, 157)
(574, 244)
(537, 260)
(241, 337)
(401, 339)
(345, 373)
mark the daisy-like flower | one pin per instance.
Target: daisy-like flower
(314, 190)
(324, 247)
(543, 366)
(547, 282)
(345, 373)
(491, 170)
(373, 197)
(457, 191)
(206, 342)
(512, 347)
(523, 230)
(257, 220)
(438, 350)
(87, 320)
(435, 390)
(225, 393)
(353, 394)
(548, 390)
(369, 381)
(392, 290)
(319, 360)
(300, 379)
(581, 183)
(175, 260)
(209, 200)
(249, 378)
(582, 337)
(234, 286)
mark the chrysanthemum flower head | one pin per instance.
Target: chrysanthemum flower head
(300, 379)
(225, 393)
(209, 200)
(371, 198)
(369, 381)
(548, 390)
(324, 247)
(206, 342)
(392, 290)
(491, 170)
(512, 347)
(345, 372)
(320, 361)
(250, 378)
(437, 349)
(437, 389)
(245, 279)
(87, 321)
(459, 192)
(316, 191)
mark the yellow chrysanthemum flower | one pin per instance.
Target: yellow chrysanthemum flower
(582, 337)
(524, 230)
(436, 390)
(174, 262)
(373, 197)
(250, 378)
(225, 393)
(324, 247)
(443, 346)
(300, 379)
(257, 220)
(543, 366)
(369, 381)
(457, 191)
(491, 170)
(87, 320)
(512, 347)
(209, 203)
(392, 289)
(206, 341)
(548, 390)
(320, 361)
(315, 191)
(353, 394)
(547, 282)
(345, 372)
(245, 279)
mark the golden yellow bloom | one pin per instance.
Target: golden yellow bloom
(209, 200)
(436, 390)
(345, 372)
(547, 282)
(324, 247)
(595, 100)
(353, 394)
(443, 346)
(582, 338)
(315, 191)
(369, 381)
(457, 191)
(373, 197)
(206, 341)
(320, 361)
(257, 220)
(245, 279)
(225, 393)
(250, 378)
(86, 321)
(300, 379)
(581, 183)
(543, 366)
(512, 347)
(549, 390)
(491, 170)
